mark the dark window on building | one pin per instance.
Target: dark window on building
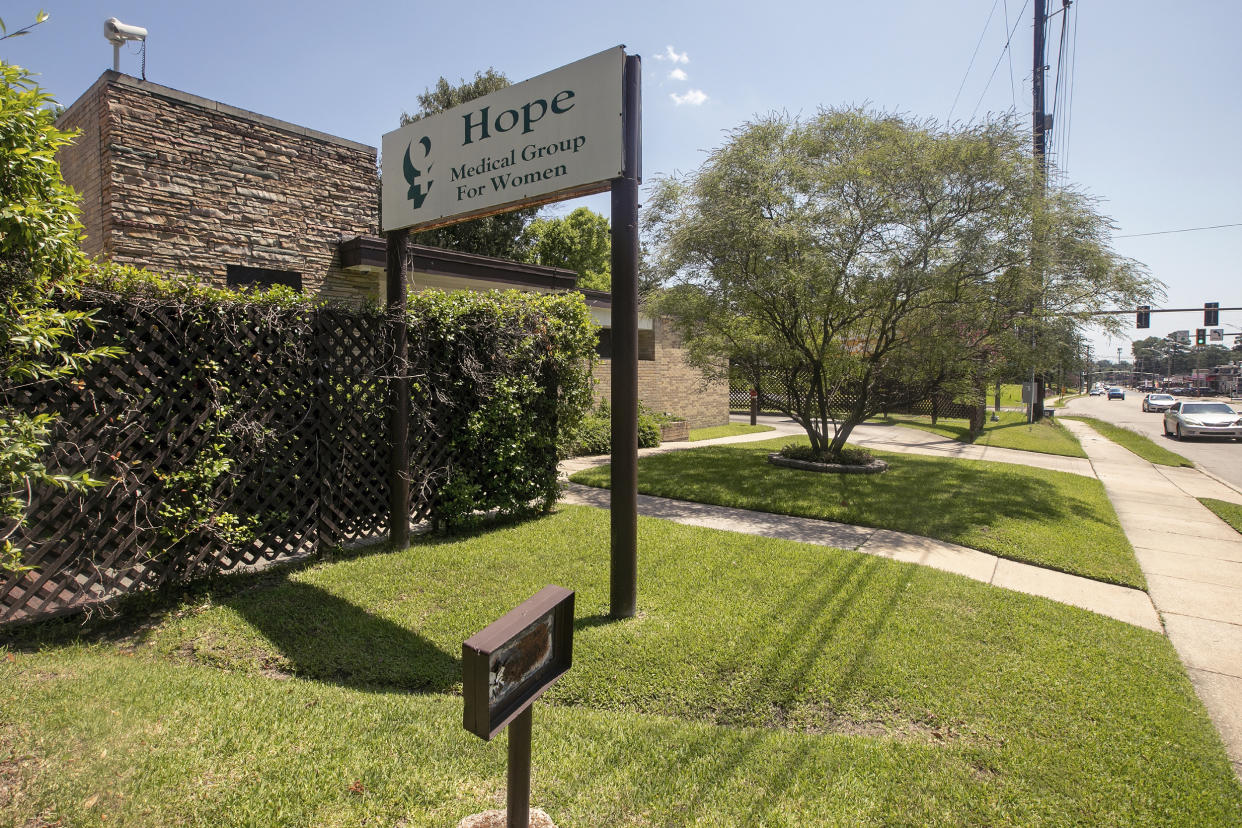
(240, 276)
(646, 344)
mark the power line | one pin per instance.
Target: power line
(1069, 115)
(1183, 230)
(971, 65)
(1013, 95)
(1008, 40)
(1061, 97)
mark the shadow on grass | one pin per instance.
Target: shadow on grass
(590, 621)
(126, 620)
(326, 638)
(779, 680)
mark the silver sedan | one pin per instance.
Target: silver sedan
(1202, 419)
(1158, 402)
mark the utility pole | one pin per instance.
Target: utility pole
(1039, 122)
(1038, 116)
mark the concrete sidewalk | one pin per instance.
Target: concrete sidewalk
(1123, 603)
(1193, 564)
(880, 436)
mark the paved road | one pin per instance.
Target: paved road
(1222, 458)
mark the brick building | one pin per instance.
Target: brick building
(173, 182)
(177, 183)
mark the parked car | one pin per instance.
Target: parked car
(1158, 402)
(1191, 418)
(1116, 393)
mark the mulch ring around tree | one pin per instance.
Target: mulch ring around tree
(875, 466)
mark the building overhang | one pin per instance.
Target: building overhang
(363, 254)
(435, 267)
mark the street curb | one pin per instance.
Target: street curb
(1219, 480)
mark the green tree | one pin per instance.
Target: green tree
(497, 235)
(40, 260)
(580, 241)
(862, 257)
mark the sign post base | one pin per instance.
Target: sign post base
(496, 819)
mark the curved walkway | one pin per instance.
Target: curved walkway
(1132, 606)
(1192, 560)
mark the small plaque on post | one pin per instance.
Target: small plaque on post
(509, 665)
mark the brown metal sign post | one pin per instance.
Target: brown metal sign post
(623, 585)
(399, 393)
(505, 668)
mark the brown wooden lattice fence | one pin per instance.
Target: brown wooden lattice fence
(897, 400)
(224, 422)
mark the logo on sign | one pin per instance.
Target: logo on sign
(417, 194)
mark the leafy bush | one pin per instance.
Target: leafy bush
(594, 435)
(523, 383)
(648, 431)
(847, 457)
(40, 259)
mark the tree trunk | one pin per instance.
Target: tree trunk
(856, 416)
(980, 413)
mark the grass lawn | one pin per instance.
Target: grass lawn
(730, 430)
(1230, 513)
(1056, 520)
(1011, 395)
(764, 683)
(1144, 447)
(1010, 431)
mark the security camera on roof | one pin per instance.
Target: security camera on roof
(118, 32)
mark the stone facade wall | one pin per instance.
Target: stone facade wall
(667, 383)
(81, 165)
(192, 186)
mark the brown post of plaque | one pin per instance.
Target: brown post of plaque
(399, 396)
(505, 668)
(623, 591)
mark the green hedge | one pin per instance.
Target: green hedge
(247, 425)
(594, 435)
(517, 425)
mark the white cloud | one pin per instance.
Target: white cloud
(673, 55)
(695, 97)
(677, 74)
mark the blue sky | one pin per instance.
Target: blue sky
(1153, 123)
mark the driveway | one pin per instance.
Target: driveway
(1220, 457)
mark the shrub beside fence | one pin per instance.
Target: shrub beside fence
(235, 431)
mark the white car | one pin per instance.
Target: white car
(1189, 418)
(1158, 402)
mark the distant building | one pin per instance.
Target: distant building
(174, 182)
(1223, 379)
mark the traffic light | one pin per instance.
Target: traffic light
(1211, 314)
(1143, 318)
(1200, 337)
